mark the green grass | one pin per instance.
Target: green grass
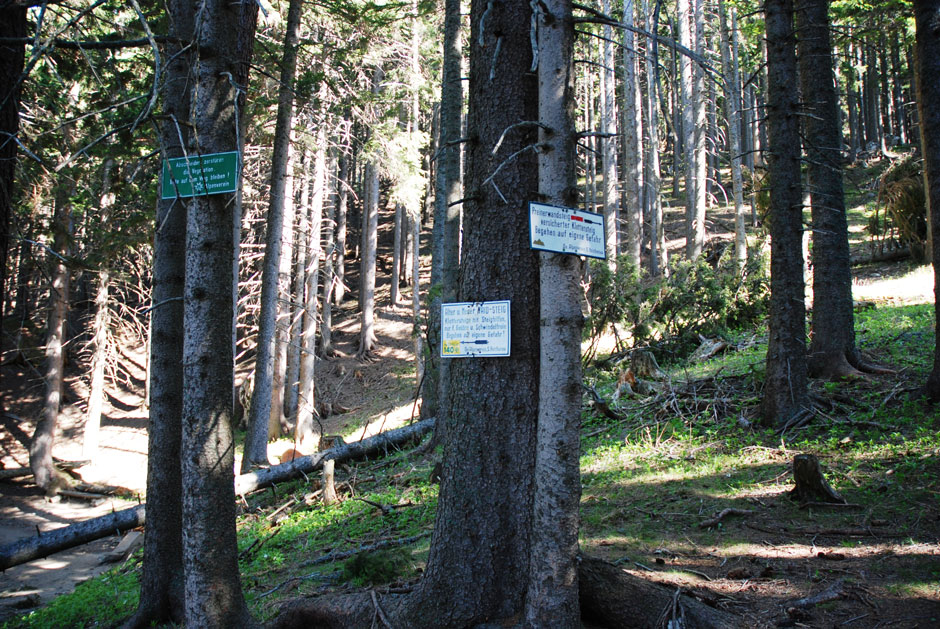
(647, 483)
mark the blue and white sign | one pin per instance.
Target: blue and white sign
(566, 230)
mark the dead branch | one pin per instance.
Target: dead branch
(722, 515)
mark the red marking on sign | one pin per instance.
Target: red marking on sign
(576, 218)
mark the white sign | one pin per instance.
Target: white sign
(475, 329)
(566, 230)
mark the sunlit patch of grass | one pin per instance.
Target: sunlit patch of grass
(98, 602)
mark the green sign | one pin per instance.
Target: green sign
(199, 175)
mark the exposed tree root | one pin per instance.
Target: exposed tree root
(609, 596)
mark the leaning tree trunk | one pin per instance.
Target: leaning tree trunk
(212, 584)
(785, 392)
(161, 584)
(552, 598)
(264, 399)
(927, 59)
(40, 446)
(832, 352)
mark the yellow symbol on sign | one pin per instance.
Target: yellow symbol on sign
(451, 347)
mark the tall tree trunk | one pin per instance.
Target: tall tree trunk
(395, 279)
(698, 153)
(633, 172)
(329, 267)
(785, 392)
(851, 97)
(295, 307)
(266, 401)
(927, 59)
(161, 584)
(658, 253)
(12, 56)
(342, 204)
(832, 351)
(897, 93)
(489, 442)
(608, 140)
(448, 192)
(688, 111)
(306, 432)
(729, 61)
(370, 227)
(102, 321)
(212, 585)
(552, 598)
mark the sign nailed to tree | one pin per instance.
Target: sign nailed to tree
(475, 329)
(199, 175)
(566, 230)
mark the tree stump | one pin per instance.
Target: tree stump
(810, 484)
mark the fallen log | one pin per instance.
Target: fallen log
(51, 542)
(46, 544)
(356, 450)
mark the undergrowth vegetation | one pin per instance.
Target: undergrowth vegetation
(654, 470)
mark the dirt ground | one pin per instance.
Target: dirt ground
(774, 565)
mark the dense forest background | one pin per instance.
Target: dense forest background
(380, 145)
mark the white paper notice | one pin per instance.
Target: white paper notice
(475, 329)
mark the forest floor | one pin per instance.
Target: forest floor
(758, 569)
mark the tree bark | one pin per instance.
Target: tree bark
(634, 175)
(40, 446)
(608, 140)
(697, 187)
(100, 338)
(161, 584)
(927, 59)
(447, 210)
(264, 398)
(729, 60)
(12, 56)
(212, 584)
(370, 229)
(832, 352)
(785, 392)
(478, 565)
(306, 432)
(342, 204)
(657, 237)
(552, 597)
